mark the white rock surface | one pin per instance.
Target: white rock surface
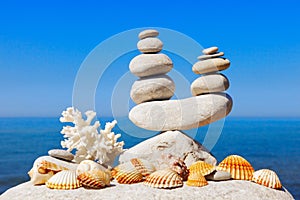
(61, 154)
(148, 33)
(218, 176)
(233, 189)
(210, 50)
(181, 114)
(175, 143)
(210, 65)
(159, 87)
(150, 45)
(215, 55)
(209, 83)
(150, 64)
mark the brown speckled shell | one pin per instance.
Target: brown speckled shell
(237, 166)
(64, 180)
(94, 179)
(164, 179)
(267, 178)
(202, 167)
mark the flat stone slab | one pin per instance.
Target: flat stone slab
(233, 189)
(181, 114)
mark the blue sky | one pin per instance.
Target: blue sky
(42, 46)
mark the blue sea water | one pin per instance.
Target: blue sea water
(265, 143)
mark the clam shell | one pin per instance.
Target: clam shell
(94, 179)
(196, 179)
(165, 178)
(237, 166)
(267, 178)
(45, 166)
(126, 173)
(88, 165)
(143, 166)
(202, 167)
(64, 180)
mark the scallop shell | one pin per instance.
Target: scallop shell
(94, 179)
(267, 178)
(202, 167)
(64, 180)
(237, 166)
(143, 166)
(126, 173)
(45, 166)
(88, 165)
(165, 178)
(196, 179)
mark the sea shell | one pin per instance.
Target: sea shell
(45, 166)
(179, 166)
(165, 178)
(202, 167)
(267, 178)
(196, 179)
(94, 179)
(64, 180)
(126, 173)
(88, 165)
(237, 166)
(143, 166)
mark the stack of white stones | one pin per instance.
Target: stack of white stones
(209, 65)
(151, 68)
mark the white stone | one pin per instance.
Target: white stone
(205, 57)
(150, 45)
(159, 87)
(210, 65)
(232, 189)
(209, 83)
(181, 114)
(210, 50)
(148, 33)
(218, 176)
(61, 154)
(150, 64)
(173, 143)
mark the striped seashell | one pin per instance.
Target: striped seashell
(143, 166)
(88, 165)
(267, 178)
(45, 166)
(202, 167)
(94, 179)
(237, 166)
(126, 173)
(64, 180)
(165, 178)
(179, 166)
(196, 179)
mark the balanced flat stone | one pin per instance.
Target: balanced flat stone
(61, 154)
(205, 57)
(209, 83)
(181, 114)
(150, 64)
(210, 50)
(210, 65)
(150, 45)
(174, 143)
(158, 87)
(148, 33)
(219, 176)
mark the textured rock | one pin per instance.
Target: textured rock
(233, 189)
(181, 114)
(148, 33)
(150, 64)
(173, 143)
(61, 154)
(159, 87)
(150, 45)
(210, 50)
(218, 176)
(210, 65)
(204, 57)
(209, 83)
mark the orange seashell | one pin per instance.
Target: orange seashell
(126, 173)
(237, 166)
(267, 178)
(196, 179)
(202, 167)
(64, 180)
(164, 179)
(45, 167)
(94, 179)
(143, 166)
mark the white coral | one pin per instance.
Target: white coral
(86, 139)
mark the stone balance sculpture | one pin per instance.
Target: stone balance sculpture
(154, 111)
